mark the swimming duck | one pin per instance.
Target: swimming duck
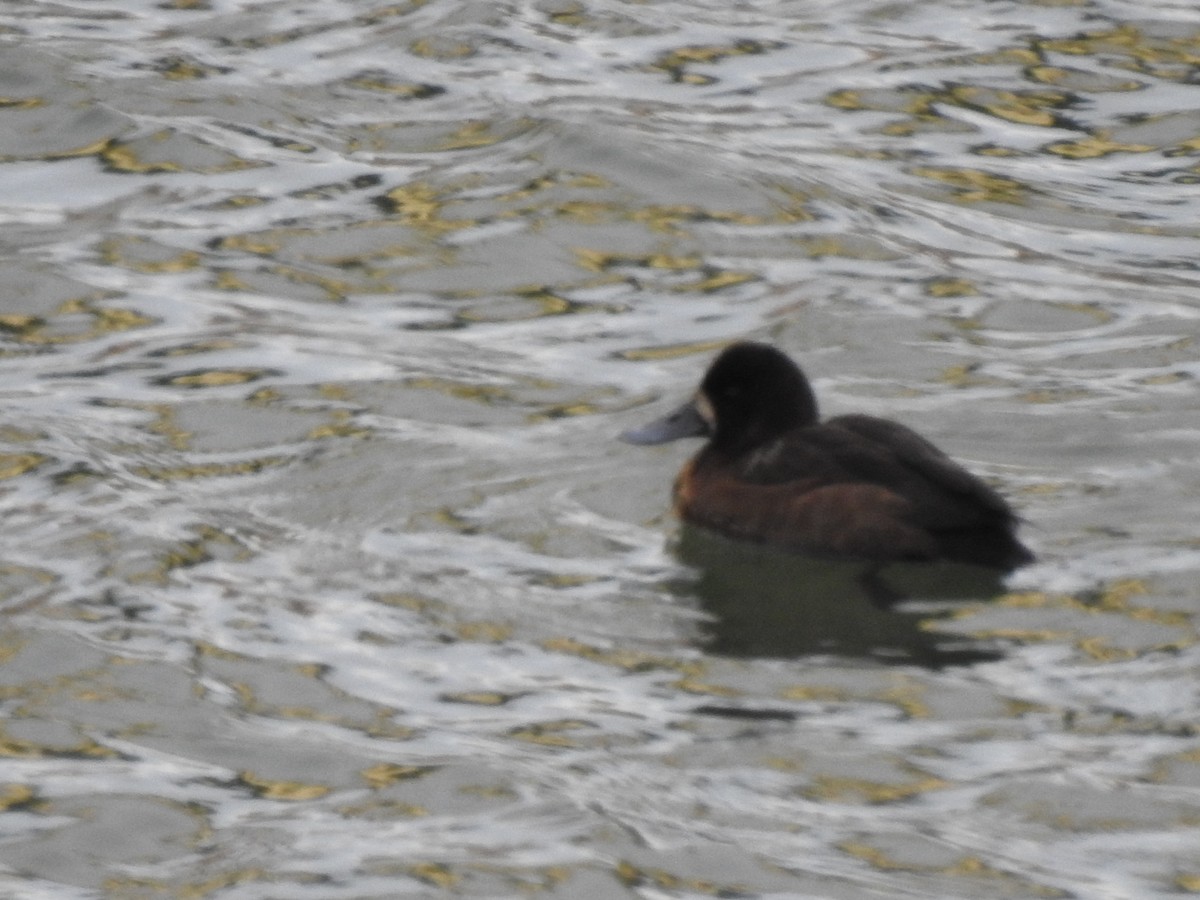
(854, 486)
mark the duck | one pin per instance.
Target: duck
(853, 487)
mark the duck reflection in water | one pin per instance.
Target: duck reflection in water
(771, 603)
(841, 498)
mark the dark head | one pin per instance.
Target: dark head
(750, 394)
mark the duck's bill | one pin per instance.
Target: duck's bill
(683, 422)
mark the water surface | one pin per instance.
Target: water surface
(323, 575)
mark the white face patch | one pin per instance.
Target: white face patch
(705, 408)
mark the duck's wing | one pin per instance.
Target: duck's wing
(924, 460)
(863, 449)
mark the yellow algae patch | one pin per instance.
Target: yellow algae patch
(635, 876)
(672, 351)
(19, 322)
(484, 393)
(1094, 310)
(906, 695)
(840, 790)
(816, 692)
(873, 856)
(717, 281)
(179, 69)
(340, 430)
(16, 748)
(241, 201)
(676, 61)
(412, 602)
(693, 686)
(590, 212)
(846, 99)
(1023, 108)
(1031, 600)
(14, 795)
(565, 579)
(478, 698)
(380, 807)
(669, 218)
(1054, 395)
(1165, 378)
(975, 185)
(630, 660)
(259, 244)
(92, 149)
(1095, 146)
(551, 734)
(14, 464)
(823, 245)
(386, 774)
(595, 260)
(214, 652)
(565, 411)
(968, 866)
(335, 289)
(477, 134)
(431, 48)
(1048, 74)
(995, 150)
(384, 83)
(142, 887)
(1185, 148)
(290, 791)
(1118, 594)
(1101, 650)
(228, 280)
(1189, 883)
(104, 320)
(341, 426)
(211, 470)
(388, 730)
(14, 580)
(483, 632)
(1131, 40)
(961, 376)
(488, 791)
(420, 206)
(121, 156)
(544, 303)
(165, 423)
(15, 435)
(1058, 75)
(196, 347)
(209, 378)
(1017, 708)
(950, 287)
(600, 261)
(1114, 600)
(264, 397)
(12, 103)
(189, 553)
(437, 874)
(109, 319)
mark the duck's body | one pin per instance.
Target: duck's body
(854, 486)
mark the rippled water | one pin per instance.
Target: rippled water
(323, 575)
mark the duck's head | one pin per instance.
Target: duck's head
(750, 394)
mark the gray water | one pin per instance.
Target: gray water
(323, 576)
